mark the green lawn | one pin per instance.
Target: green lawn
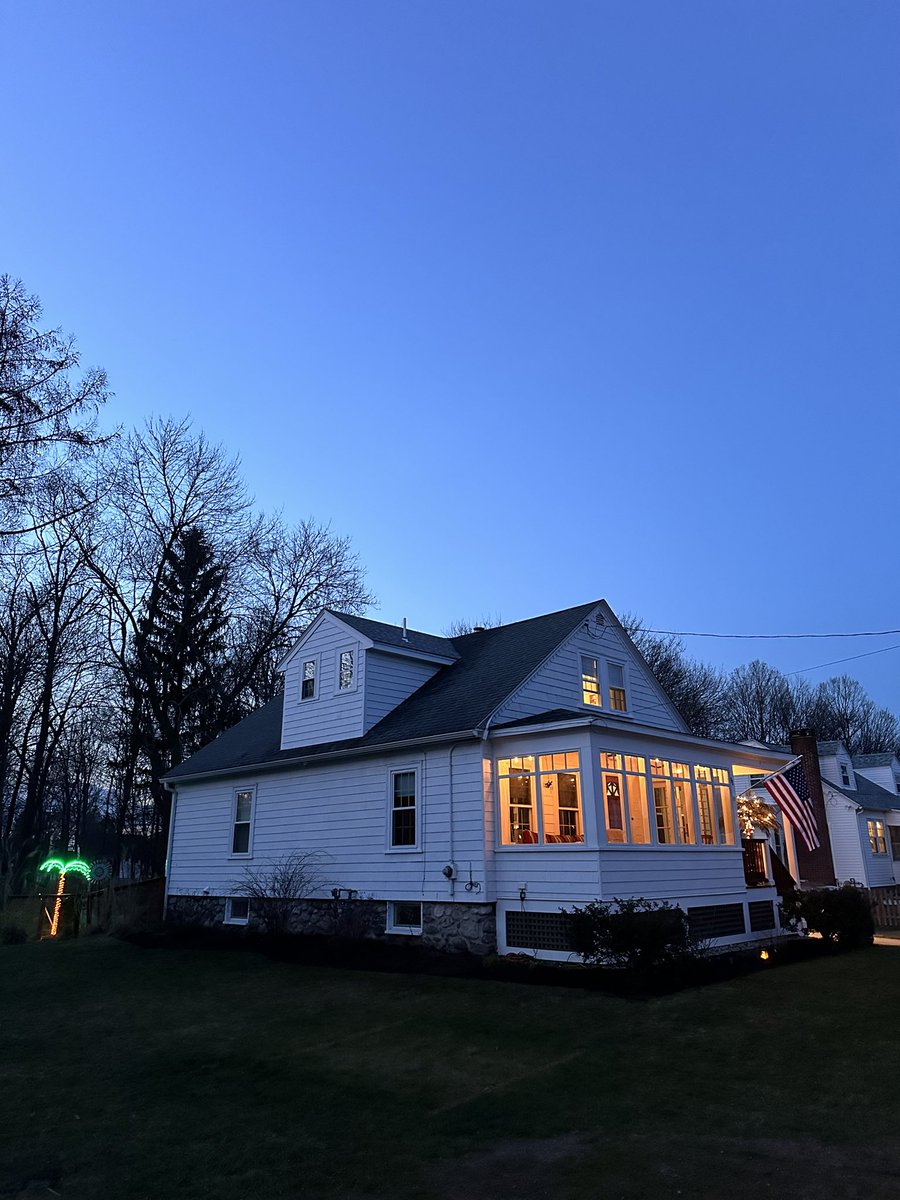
(166, 1074)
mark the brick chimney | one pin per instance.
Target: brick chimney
(816, 866)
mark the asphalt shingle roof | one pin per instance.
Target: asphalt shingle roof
(392, 635)
(868, 795)
(872, 760)
(458, 698)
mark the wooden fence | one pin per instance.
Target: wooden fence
(886, 906)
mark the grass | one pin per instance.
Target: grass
(187, 1075)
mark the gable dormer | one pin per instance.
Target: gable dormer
(883, 769)
(836, 765)
(348, 672)
(598, 671)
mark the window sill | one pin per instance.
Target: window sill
(565, 847)
(404, 931)
(241, 857)
(403, 850)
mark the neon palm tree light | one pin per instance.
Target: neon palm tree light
(57, 864)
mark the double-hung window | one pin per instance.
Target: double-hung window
(345, 671)
(590, 681)
(242, 827)
(404, 831)
(618, 700)
(877, 843)
(308, 680)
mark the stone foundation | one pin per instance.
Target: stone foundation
(450, 927)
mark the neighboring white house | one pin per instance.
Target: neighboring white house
(465, 789)
(863, 808)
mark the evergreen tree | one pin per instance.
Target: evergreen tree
(178, 654)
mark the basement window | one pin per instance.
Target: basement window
(404, 916)
(237, 910)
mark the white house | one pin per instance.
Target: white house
(862, 802)
(464, 789)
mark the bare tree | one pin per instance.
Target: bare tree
(696, 689)
(462, 626)
(47, 412)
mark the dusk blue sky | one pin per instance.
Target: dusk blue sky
(536, 302)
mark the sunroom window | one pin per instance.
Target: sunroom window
(556, 778)
(687, 805)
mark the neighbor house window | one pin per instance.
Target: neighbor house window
(345, 670)
(243, 821)
(877, 843)
(618, 701)
(404, 916)
(845, 775)
(308, 684)
(556, 779)
(590, 681)
(403, 809)
(237, 910)
(894, 831)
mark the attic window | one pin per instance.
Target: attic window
(590, 681)
(345, 671)
(308, 681)
(845, 775)
(618, 701)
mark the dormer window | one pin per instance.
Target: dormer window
(308, 680)
(845, 775)
(618, 701)
(590, 681)
(345, 670)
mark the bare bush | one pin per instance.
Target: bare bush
(276, 890)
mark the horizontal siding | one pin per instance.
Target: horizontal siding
(557, 684)
(662, 872)
(879, 867)
(883, 776)
(830, 769)
(333, 715)
(342, 813)
(391, 679)
(843, 832)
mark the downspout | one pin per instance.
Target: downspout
(174, 792)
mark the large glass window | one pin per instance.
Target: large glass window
(690, 805)
(403, 808)
(624, 783)
(556, 778)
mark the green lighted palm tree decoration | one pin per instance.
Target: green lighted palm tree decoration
(57, 864)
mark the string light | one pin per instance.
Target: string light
(56, 864)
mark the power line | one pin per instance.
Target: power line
(834, 662)
(775, 636)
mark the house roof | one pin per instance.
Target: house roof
(392, 635)
(872, 760)
(868, 795)
(459, 698)
(831, 747)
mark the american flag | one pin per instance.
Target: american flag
(790, 790)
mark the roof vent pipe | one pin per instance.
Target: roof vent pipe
(478, 628)
(405, 634)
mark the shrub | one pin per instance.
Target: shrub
(634, 933)
(13, 935)
(843, 916)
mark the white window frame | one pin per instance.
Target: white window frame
(583, 658)
(626, 687)
(845, 774)
(240, 791)
(313, 658)
(407, 930)
(878, 842)
(402, 769)
(338, 690)
(230, 918)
